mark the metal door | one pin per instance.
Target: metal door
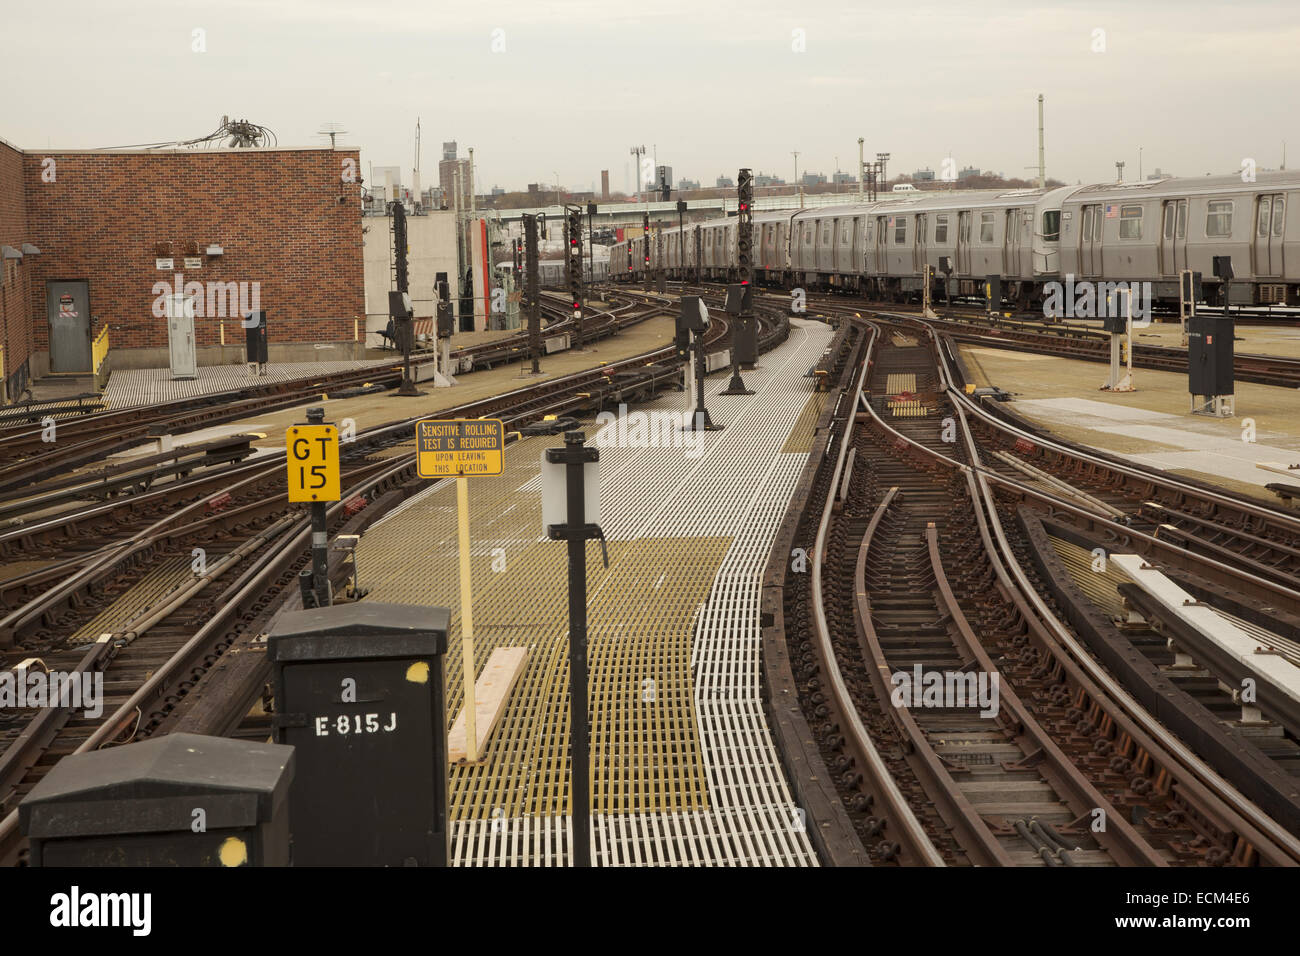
(963, 242)
(918, 243)
(1270, 216)
(882, 231)
(1090, 240)
(1173, 237)
(67, 306)
(1011, 244)
(180, 336)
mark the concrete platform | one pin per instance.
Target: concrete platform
(684, 769)
(1152, 425)
(146, 386)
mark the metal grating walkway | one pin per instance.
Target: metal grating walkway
(685, 772)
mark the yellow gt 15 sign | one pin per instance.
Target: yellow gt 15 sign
(313, 456)
(455, 447)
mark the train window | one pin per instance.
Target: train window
(1218, 219)
(1279, 214)
(1265, 210)
(1182, 219)
(1052, 225)
(940, 229)
(986, 227)
(1169, 220)
(1130, 222)
(900, 230)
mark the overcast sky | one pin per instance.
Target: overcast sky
(714, 86)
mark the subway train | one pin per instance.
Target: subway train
(552, 275)
(1115, 232)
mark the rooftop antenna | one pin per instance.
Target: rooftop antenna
(331, 130)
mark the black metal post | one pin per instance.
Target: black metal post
(405, 327)
(681, 242)
(533, 293)
(575, 456)
(320, 579)
(591, 241)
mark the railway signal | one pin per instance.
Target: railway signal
(645, 242)
(744, 347)
(573, 267)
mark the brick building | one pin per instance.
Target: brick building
(276, 229)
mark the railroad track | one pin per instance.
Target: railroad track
(1018, 333)
(911, 558)
(157, 656)
(28, 457)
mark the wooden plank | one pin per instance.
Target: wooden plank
(491, 691)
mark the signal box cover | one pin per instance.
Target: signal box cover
(389, 630)
(154, 786)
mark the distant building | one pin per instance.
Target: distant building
(812, 179)
(663, 177)
(924, 175)
(604, 185)
(762, 179)
(498, 191)
(684, 184)
(724, 182)
(968, 172)
(842, 177)
(455, 178)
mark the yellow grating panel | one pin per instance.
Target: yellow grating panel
(908, 409)
(805, 426)
(154, 586)
(646, 752)
(899, 382)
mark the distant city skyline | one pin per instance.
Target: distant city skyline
(1120, 83)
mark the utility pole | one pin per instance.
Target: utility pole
(860, 171)
(637, 152)
(795, 154)
(1042, 165)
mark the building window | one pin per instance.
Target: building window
(900, 230)
(940, 229)
(1218, 219)
(1052, 225)
(986, 227)
(1130, 222)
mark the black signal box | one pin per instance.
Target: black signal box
(1209, 355)
(359, 694)
(177, 800)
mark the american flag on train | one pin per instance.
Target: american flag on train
(1111, 211)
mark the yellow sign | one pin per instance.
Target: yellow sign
(459, 447)
(313, 456)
